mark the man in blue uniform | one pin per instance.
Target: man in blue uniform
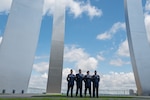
(95, 79)
(70, 79)
(79, 79)
(87, 80)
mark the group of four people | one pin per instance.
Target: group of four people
(79, 78)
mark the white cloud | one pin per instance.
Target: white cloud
(118, 62)
(76, 7)
(92, 10)
(89, 63)
(5, 5)
(104, 36)
(114, 29)
(41, 57)
(100, 57)
(0, 39)
(41, 67)
(48, 7)
(117, 26)
(38, 81)
(82, 59)
(123, 49)
(72, 53)
(118, 81)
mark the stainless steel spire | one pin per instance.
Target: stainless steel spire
(138, 45)
(19, 45)
(57, 49)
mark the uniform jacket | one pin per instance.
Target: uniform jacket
(70, 79)
(87, 80)
(96, 79)
(79, 79)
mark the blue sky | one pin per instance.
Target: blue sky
(95, 39)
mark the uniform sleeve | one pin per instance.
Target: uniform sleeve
(84, 78)
(98, 78)
(68, 78)
(76, 76)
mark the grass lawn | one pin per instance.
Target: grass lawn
(63, 97)
(59, 97)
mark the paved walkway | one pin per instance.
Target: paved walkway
(17, 95)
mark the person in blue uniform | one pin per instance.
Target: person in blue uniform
(87, 80)
(79, 79)
(70, 79)
(95, 79)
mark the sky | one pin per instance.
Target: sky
(95, 39)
